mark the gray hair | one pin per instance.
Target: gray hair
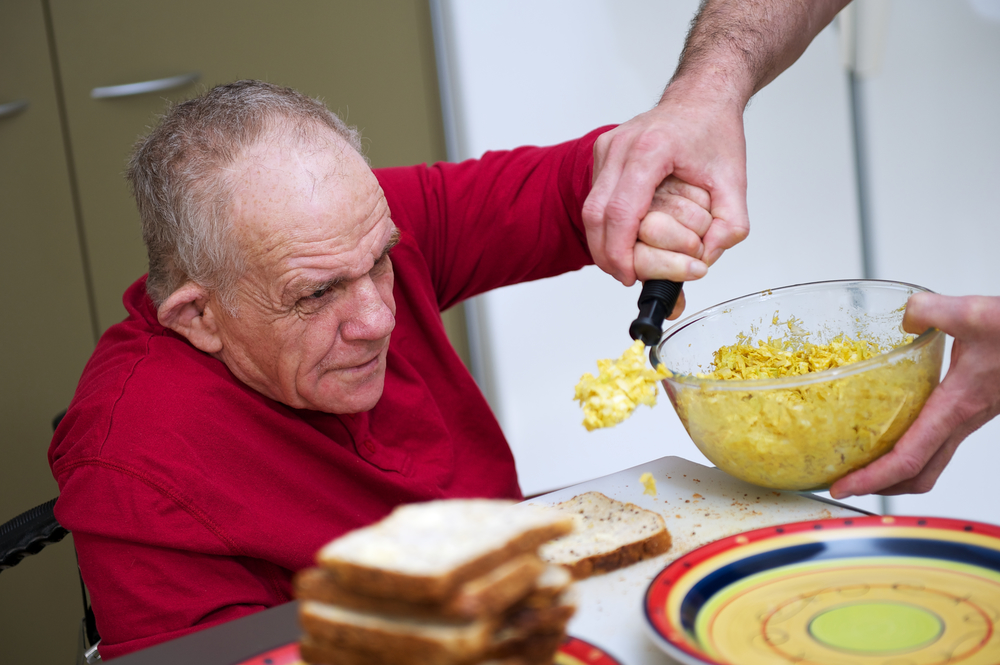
(179, 178)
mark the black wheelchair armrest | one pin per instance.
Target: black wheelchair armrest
(29, 533)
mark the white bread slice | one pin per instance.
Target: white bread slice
(347, 637)
(610, 535)
(319, 652)
(549, 588)
(489, 594)
(423, 552)
(397, 639)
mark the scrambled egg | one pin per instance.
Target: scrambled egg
(775, 358)
(619, 387)
(649, 483)
(809, 436)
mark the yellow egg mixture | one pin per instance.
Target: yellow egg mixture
(789, 438)
(619, 387)
(804, 437)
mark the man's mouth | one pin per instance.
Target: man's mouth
(369, 365)
(365, 366)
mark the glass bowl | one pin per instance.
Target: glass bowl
(803, 432)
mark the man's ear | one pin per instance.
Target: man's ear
(190, 312)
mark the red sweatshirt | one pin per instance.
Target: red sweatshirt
(193, 499)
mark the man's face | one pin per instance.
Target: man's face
(315, 307)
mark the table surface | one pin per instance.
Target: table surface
(699, 505)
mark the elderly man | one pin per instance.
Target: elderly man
(283, 374)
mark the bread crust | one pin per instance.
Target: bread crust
(489, 594)
(528, 635)
(318, 652)
(383, 583)
(620, 558)
(453, 642)
(599, 515)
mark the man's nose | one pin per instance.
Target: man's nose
(371, 317)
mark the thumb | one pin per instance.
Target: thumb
(731, 221)
(962, 317)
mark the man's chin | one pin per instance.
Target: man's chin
(356, 399)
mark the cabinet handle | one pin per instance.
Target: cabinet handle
(143, 87)
(13, 108)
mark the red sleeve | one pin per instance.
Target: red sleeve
(508, 217)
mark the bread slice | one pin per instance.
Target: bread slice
(319, 652)
(489, 594)
(610, 535)
(423, 552)
(347, 637)
(397, 639)
(549, 587)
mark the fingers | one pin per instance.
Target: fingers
(665, 231)
(653, 263)
(919, 456)
(687, 204)
(625, 178)
(967, 398)
(928, 476)
(673, 187)
(678, 307)
(670, 234)
(966, 317)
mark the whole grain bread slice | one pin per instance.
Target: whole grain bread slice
(489, 594)
(610, 534)
(422, 553)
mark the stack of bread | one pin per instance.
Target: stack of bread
(440, 583)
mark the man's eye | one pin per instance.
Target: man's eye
(319, 293)
(382, 262)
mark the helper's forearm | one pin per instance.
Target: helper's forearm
(736, 47)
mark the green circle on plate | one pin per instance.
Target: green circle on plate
(876, 628)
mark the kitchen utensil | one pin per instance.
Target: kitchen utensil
(656, 301)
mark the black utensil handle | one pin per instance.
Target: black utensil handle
(656, 301)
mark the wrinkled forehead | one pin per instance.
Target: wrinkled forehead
(290, 184)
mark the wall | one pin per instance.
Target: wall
(931, 121)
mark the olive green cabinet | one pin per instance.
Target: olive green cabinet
(374, 64)
(46, 331)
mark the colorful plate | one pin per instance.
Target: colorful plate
(572, 652)
(863, 591)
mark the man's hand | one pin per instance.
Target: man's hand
(967, 398)
(701, 144)
(669, 242)
(734, 49)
